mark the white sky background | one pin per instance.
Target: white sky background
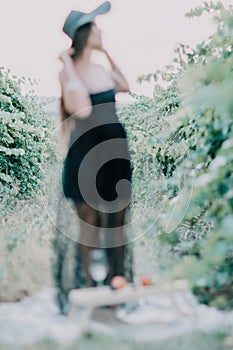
(140, 35)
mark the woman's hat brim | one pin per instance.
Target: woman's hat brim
(76, 19)
(101, 9)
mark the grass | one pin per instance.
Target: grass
(193, 341)
(25, 250)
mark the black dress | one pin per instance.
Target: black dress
(97, 171)
(107, 163)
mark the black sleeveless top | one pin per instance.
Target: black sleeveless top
(98, 155)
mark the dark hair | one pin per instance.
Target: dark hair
(80, 39)
(79, 43)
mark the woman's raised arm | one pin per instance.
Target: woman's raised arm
(74, 93)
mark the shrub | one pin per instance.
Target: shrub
(25, 143)
(188, 147)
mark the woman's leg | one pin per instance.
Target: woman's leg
(115, 242)
(89, 235)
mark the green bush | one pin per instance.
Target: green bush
(183, 146)
(205, 236)
(25, 142)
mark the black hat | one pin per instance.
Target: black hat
(76, 18)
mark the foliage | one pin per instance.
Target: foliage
(189, 151)
(25, 140)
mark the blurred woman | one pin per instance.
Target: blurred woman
(97, 168)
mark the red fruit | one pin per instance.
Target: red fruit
(118, 282)
(145, 280)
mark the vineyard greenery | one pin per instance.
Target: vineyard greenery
(181, 143)
(25, 144)
(184, 137)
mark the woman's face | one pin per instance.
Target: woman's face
(95, 38)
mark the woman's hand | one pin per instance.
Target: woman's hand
(65, 56)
